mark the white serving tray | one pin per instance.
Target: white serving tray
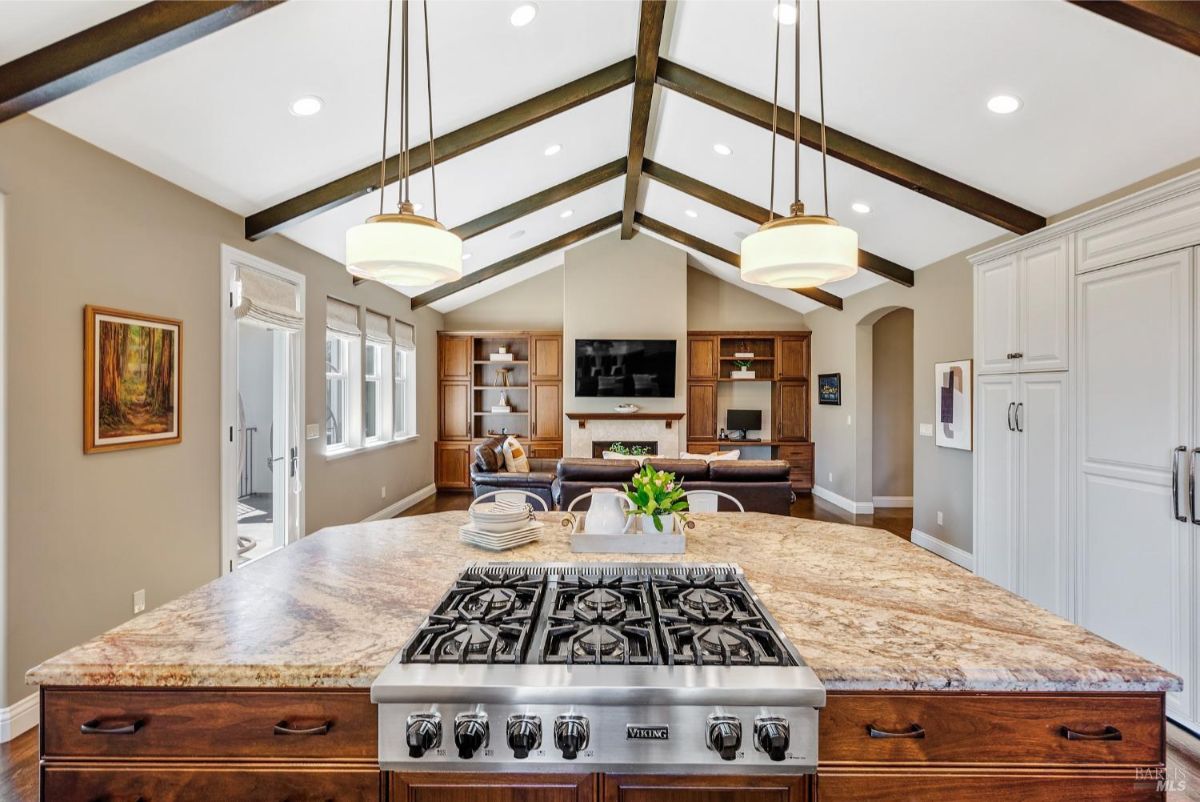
(626, 542)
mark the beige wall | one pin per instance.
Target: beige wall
(892, 429)
(534, 304)
(716, 304)
(82, 533)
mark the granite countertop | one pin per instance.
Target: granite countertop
(867, 610)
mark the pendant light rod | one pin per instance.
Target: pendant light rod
(429, 97)
(387, 80)
(796, 121)
(821, 88)
(775, 109)
(405, 100)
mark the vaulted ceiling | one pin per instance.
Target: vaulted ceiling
(1104, 105)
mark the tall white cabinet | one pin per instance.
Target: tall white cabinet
(1088, 424)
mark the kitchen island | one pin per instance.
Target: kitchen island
(940, 685)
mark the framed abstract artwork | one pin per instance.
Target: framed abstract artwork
(953, 405)
(829, 389)
(132, 381)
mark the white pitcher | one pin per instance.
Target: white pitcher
(606, 514)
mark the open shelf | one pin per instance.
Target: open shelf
(499, 414)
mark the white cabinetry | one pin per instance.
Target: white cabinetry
(1022, 305)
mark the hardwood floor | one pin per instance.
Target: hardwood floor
(19, 768)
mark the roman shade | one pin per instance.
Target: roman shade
(268, 301)
(341, 318)
(378, 328)
(404, 335)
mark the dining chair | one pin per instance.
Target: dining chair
(707, 500)
(517, 496)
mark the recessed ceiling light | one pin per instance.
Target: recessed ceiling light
(552, 150)
(466, 256)
(523, 15)
(722, 149)
(565, 213)
(520, 232)
(860, 207)
(785, 14)
(1003, 104)
(690, 212)
(306, 106)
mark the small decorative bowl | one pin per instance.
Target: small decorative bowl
(626, 409)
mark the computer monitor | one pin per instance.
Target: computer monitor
(743, 420)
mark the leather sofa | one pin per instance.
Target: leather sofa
(488, 473)
(761, 485)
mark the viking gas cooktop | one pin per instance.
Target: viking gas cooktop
(612, 666)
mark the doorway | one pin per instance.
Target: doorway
(262, 361)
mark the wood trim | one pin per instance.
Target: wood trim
(516, 260)
(540, 200)
(455, 143)
(89, 387)
(851, 150)
(583, 417)
(759, 214)
(650, 28)
(729, 257)
(1175, 23)
(112, 46)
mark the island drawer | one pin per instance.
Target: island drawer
(949, 728)
(967, 785)
(161, 723)
(206, 783)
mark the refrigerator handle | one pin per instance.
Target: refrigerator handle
(1011, 405)
(1192, 485)
(1017, 417)
(1175, 483)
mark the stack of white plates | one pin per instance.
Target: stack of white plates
(501, 525)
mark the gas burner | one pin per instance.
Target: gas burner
(599, 603)
(704, 604)
(603, 640)
(490, 603)
(746, 642)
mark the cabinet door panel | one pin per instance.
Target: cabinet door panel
(454, 415)
(491, 787)
(996, 478)
(1134, 405)
(546, 411)
(452, 465)
(791, 411)
(1042, 575)
(454, 358)
(984, 786)
(996, 325)
(660, 788)
(1045, 282)
(702, 411)
(792, 358)
(702, 358)
(546, 357)
(203, 784)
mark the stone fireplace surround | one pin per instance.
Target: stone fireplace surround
(581, 440)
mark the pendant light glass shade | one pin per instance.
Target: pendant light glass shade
(405, 250)
(799, 251)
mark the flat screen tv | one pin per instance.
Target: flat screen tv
(625, 368)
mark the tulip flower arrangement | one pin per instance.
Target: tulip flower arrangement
(656, 494)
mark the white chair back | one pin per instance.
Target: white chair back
(707, 500)
(517, 496)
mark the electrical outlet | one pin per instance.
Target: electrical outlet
(831, 477)
(139, 601)
(927, 430)
(312, 431)
(849, 420)
(383, 491)
(939, 517)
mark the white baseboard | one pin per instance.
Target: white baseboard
(856, 507)
(19, 717)
(392, 510)
(882, 502)
(943, 549)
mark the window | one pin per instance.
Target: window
(337, 387)
(404, 390)
(373, 392)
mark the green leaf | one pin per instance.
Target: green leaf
(658, 524)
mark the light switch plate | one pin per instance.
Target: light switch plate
(312, 431)
(927, 430)
(139, 601)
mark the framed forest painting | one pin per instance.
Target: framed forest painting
(132, 381)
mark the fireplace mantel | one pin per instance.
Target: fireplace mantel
(584, 417)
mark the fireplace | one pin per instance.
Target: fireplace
(600, 446)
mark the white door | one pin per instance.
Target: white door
(996, 478)
(1134, 409)
(1044, 279)
(996, 323)
(1041, 422)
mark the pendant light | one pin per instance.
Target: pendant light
(403, 248)
(801, 250)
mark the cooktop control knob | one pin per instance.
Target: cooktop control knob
(724, 735)
(771, 735)
(524, 735)
(470, 733)
(424, 733)
(571, 735)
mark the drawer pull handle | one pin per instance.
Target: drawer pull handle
(914, 731)
(94, 727)
(1109, 734)
(282, 728)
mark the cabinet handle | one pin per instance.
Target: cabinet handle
(1017, 417)
(94, 727)
(1108, 734)
(1175, 483)
(282, 728)
(1192, 484)
(1011, 406)
(913, 731)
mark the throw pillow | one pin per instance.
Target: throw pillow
(515, 460)
(640, 459)
(734, 454)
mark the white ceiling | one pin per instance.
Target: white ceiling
(1104, 106)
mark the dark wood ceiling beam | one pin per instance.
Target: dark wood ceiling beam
(1176, 23)
(650, 30)
(116, 44)
(516, 260)
(447, 146)
(540, 200)
(844, 147)
(729, 257)
(759, 214)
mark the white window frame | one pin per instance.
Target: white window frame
(383, 423)
(405, 387)
(351, 374)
